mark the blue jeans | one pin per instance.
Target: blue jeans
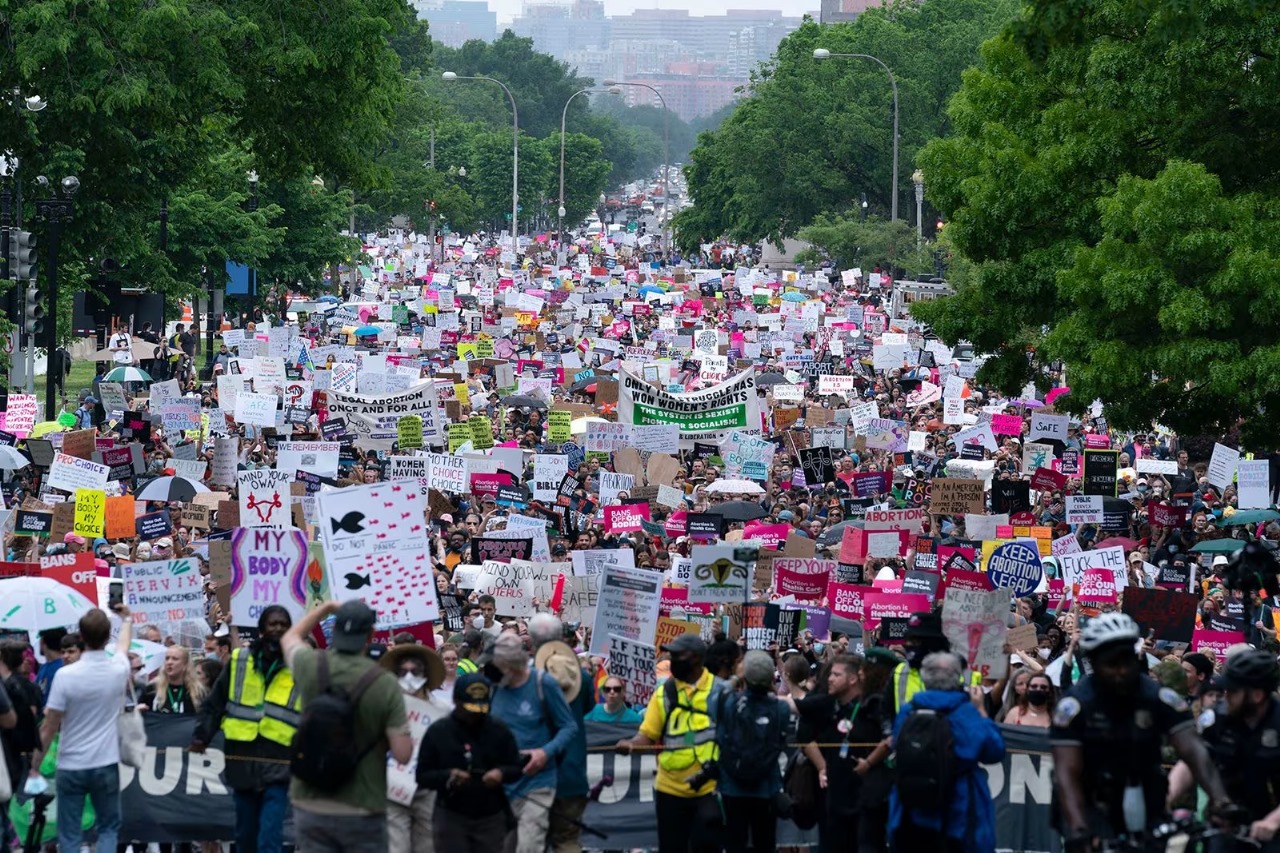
(260, 819)
(102, 786)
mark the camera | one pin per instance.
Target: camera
(709, 771)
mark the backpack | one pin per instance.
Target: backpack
(925, 760)
(751, 737)
(324, 753)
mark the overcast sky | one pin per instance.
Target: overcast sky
(508, 9)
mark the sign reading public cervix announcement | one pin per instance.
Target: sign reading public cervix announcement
(706, 414)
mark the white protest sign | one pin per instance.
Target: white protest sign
(447, 473)
(70, 473)
(1084, 509)
(1253, 485)
(627, 607)
(595, 561)
(256, 409)
(974, 621)
(1152, 465)
(1075, 565)
(1053, 427)
(548, 470)
(315, 457)
(636, 665)
(264, 498)
(1222, 465)
(164, 590)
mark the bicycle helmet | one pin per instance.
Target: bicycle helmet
(1107, 630)
(1252, 668)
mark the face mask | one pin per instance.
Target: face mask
(916, 656)
(477, 622)
(411, 683)
(819, 648)
(683, 670)
(1039, 698)
(1044, 653)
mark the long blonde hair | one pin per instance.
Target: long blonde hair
(196, 691)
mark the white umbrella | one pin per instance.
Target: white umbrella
(127, 374)
(35, 604)
(11, 459)
(579, 426)
(735, 487)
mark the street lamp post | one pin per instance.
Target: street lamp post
(252, 284)
(32, 104)
(56, 212)
(564, 116)
(822, 53)
(515, 154)
(917, 178)
(666, 156)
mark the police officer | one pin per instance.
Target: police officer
(256, 706)
(1106, 738)
(924, 636)
(1243, 736)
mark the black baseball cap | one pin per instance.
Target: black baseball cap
(351, 626)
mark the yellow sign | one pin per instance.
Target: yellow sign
(484, 348)
(559, 426)
(91, 513)
(467, 351)
(409, 432)
(481, 432)
(459, 434)
(463, 393)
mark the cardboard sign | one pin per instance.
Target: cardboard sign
(955, 496)
(119, 513)
(975, 624)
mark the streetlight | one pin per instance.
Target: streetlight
(564, 115)
(822, 53)
(666, 154)
(449, 77)
(917, 178)
(57, 212)
(11, 220)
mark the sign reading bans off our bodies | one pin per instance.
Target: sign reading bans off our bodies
(706, 414)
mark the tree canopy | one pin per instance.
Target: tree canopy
(1110, 177)
(813, 136)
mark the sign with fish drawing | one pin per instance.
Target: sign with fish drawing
(267, 567)
(376, 549)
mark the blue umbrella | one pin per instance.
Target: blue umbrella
(364, 331)
(794, 296)
(328, 297)
(649, 288)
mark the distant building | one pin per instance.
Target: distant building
(835, 11)
(454, 22)
(691, 89)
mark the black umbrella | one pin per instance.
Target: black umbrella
(833, 535)
(738, 510)
(581, 384)
(766, 380)
(523, 400)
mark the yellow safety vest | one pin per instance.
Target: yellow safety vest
(256, 709)
(907, 683)
(689, 733)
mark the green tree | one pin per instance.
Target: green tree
(585, 174)
(489, 175)
(849, 242)
(812, 137)
(1109, 179)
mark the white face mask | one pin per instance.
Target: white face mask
(477, 622)
(411, 683)
(1044, 653)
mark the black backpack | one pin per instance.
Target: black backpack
(751, 731)
(925, 760)
(324, 751)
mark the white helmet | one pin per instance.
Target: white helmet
(1106, 630)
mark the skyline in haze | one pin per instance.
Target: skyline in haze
(508, 10)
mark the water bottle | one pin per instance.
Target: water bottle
(1135, 809)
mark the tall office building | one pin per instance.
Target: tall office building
(835, 11)
(454, 22)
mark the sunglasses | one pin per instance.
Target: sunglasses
(612, 689)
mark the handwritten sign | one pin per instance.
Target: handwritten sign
(164, 590)
(90, 517)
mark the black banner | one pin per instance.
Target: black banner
(1100, 473)
(179, 796)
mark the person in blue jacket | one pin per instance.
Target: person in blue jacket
(967, 816)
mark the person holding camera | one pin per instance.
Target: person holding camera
(751, 733)
(679, 719)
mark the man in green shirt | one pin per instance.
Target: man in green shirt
(352, 819)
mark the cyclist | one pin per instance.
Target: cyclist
(1243, 736)
(1106, 738)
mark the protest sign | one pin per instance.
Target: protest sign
(73, 570)
(120, 513)
(164, 590)
(374, 419)
(264, 497)
(1016, 566)
(515, 584)
(627, 607)
(1099, 475)
(1222, 465)
(636, 665)
(955, 496)
(1073, 566)
(256, 409)
(721, 572)
(1097, 586)
(90, 520)
(268, 567)
(70, 473)
(376, 548)
(704, 414)
(1171, 614)
(878, 606)
(1084, 509)
(1253, 485)
(805, 579)
(974, 623)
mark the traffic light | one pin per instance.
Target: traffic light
(33, 312)
(22, 255)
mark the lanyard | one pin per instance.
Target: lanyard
(175, 704)
(844, 744)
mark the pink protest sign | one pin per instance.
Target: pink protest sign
(886, 605)
(1097, 586)
(845, 599)
(1215, 642)
(1006, 424)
